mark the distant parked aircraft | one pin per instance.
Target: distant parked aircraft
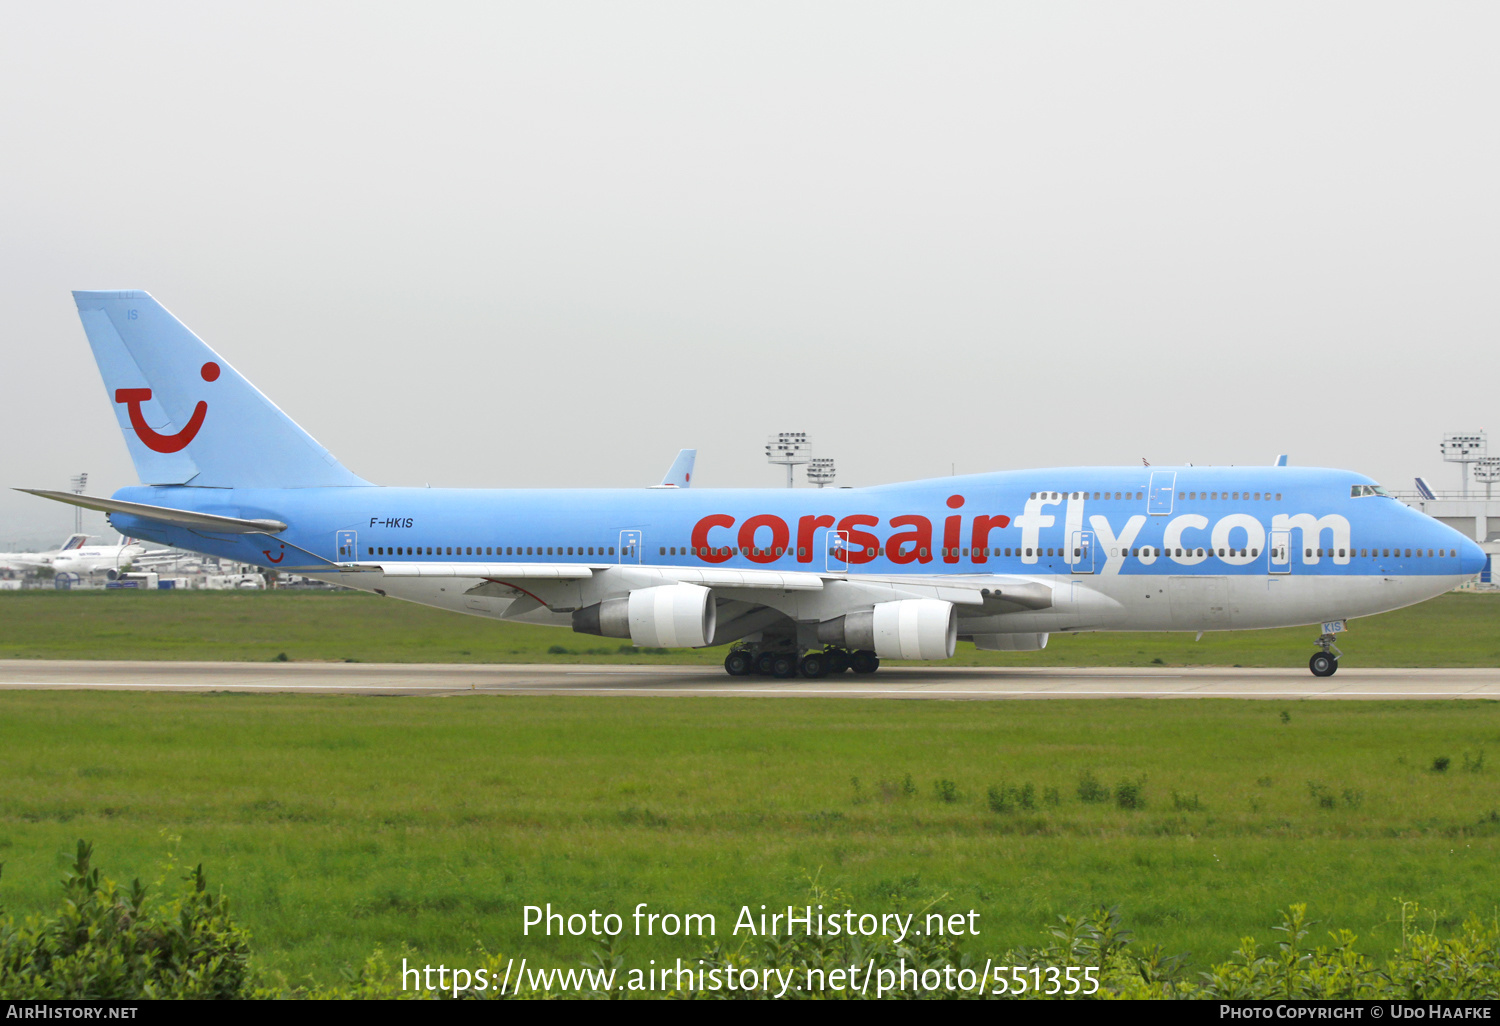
(32, 560)
(88, 559)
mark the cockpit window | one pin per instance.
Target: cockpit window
(1359, 491)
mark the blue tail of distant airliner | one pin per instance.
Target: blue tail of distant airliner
(188, 416)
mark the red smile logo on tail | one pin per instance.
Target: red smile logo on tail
(133, 397)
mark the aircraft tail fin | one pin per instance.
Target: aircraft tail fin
(1424, 489)
(75, 541)
(188, 416)
(680, 473)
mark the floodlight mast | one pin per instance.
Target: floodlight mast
(820, 471)
(1464, 449)
(789, 448)
(79, 483)
(1488, 471)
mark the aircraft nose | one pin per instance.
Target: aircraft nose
(1471, 557)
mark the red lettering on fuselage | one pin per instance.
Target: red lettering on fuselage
(862, 545)
(706, 552)
(919, 538)
(780, 537)
(806, 528)
(982, 527)
(848, 542)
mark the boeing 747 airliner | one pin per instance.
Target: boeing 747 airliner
(811, 581)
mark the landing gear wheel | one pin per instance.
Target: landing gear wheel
(763, 663)
(738, 663)
(838, 660)
(815, 664)
(783, 666)
(1323, 664)
(864, 661)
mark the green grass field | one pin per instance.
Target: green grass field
(1453, 630)
(341, 824)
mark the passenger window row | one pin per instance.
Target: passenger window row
(995, 551)
(1140, 496)
(1231, 496)
(1398, 553)
(488, 550)
(1059, 496)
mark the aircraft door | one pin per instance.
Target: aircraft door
(1159, 498)
(1082, 544)
(836, 548)
(346, 545)
(1280, 552)
(630, 547)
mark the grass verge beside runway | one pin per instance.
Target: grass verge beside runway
(1458, 630)
(339, 825)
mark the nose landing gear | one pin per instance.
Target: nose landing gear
(1326, 662)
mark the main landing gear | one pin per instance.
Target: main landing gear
(785, 664)
(1326, 662)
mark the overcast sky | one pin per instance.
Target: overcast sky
(543, 244)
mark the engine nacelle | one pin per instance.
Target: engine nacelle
(670, 616)
(905, 629)
(1010, 642)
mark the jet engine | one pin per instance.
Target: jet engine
(905, 629)
(669, 616)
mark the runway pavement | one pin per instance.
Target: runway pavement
(930, 682)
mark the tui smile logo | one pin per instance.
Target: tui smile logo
(133, 397)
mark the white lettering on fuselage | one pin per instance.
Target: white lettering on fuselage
(1172, 543)
(1031, 523)
(1311, 529)
(1115, 546)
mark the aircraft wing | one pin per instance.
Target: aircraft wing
(25, 560)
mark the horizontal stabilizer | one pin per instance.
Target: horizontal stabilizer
(209, 522)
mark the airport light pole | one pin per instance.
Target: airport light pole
(1488, 471)
(820, 471)
(79, 483)
(789, 448)
(1463, 449)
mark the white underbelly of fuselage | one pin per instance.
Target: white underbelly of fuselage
(1082, 602)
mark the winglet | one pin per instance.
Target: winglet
(680, 474)
(1281, 460)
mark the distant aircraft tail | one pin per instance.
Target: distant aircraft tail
(75, 541)
(188, 416)
(680, 473)
(1424, 489)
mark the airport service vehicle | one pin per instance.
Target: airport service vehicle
(31, 560)
(805, 580)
